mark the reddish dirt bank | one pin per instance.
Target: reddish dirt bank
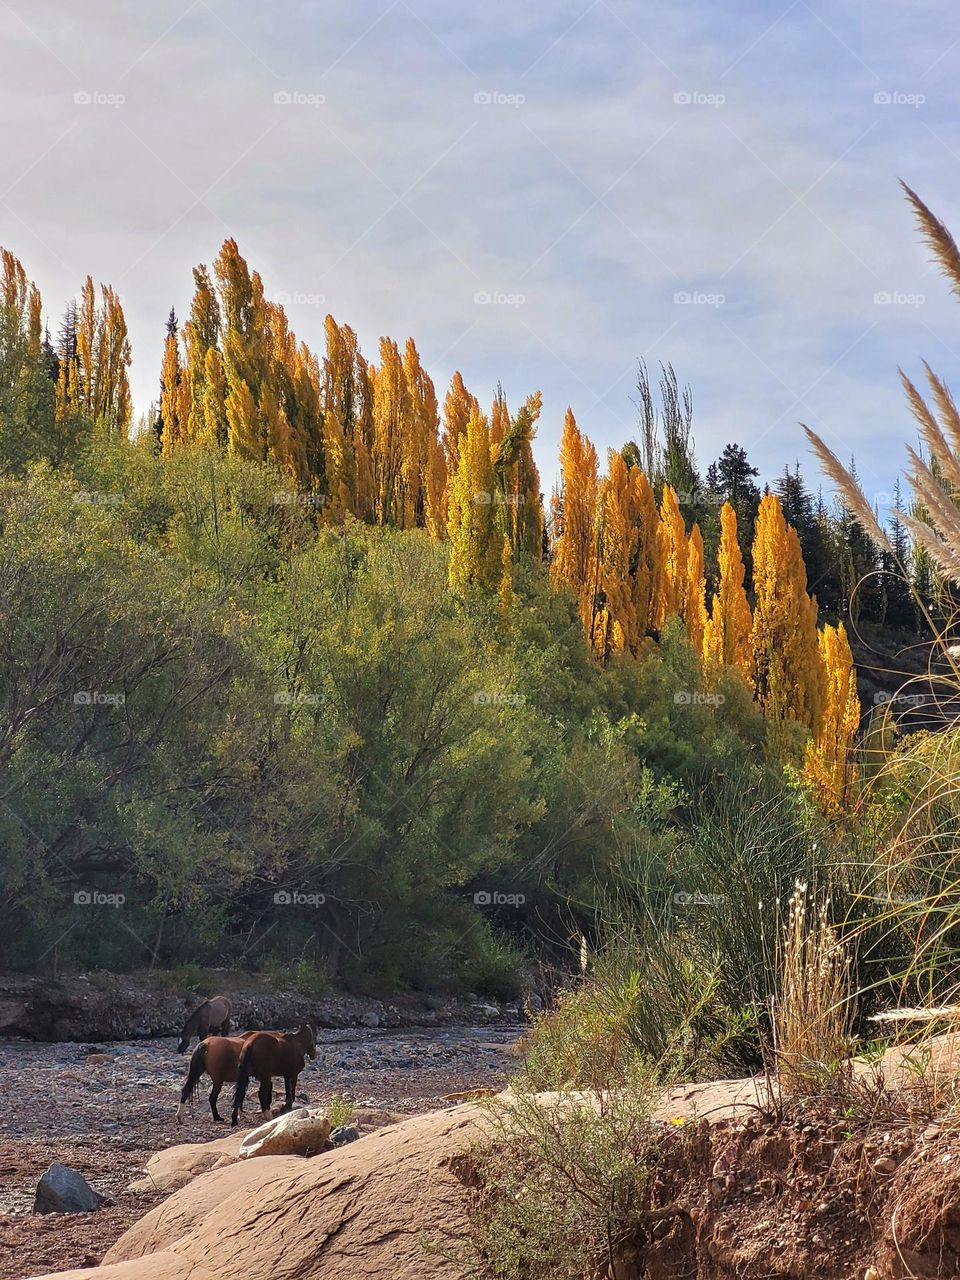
(104, 1108)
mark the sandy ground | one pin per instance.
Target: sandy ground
(103, 1109)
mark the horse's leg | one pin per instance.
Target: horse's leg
(266, 1096)
(290, 1084)
(214, 1095)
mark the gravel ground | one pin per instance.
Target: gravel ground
(103, 1109)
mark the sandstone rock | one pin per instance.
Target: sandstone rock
(371, 1208)
(300, 1133)
(63, 1190)
(176, 1166)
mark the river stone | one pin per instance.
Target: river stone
(370, 1019)
(63, 1190)
(293, 1133)
(343, 1134)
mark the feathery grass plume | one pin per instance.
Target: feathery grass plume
(930, 430)
(944, 247)
(852, 493)
(945, 557)
(946, 407)
(941, 508)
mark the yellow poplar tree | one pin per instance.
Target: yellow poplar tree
(173, 402)
(479, 551)
(829, 767)
(459, 407)
(615, 627)
(575, 564)
(787, 669)
(101, 388)
(673, 556)
(519, 480)
(695, 590)
(391, 425)
(422, 429)
(727, 635)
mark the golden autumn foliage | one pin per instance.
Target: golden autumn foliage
(575, 563)
(629, 559)
(694, 602)
(93, 376)
(370, 441)
(829, 767)
(787, 670)
(727, 633)
(673, 557)
(479, 549)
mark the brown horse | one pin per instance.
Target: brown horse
(265, 1056)
(210, 1019)
(219, 1057)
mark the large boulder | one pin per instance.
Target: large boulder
(391, 1205)
(63, 1190)
(295, 1133)
(176, 1166)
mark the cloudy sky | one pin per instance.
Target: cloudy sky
(538, 193)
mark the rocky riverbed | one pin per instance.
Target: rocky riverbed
(103, 1108)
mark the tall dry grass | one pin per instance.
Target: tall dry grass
(812, 1011)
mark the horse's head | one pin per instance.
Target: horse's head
(309, 1038)
(182, 1046)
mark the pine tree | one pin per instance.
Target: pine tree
(900, 605)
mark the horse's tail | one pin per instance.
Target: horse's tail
(243, 1077)
(191, 1086)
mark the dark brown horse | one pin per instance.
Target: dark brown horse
(212, 1018)
(265, 1056)
(219, 1058)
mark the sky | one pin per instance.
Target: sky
(540, 194)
